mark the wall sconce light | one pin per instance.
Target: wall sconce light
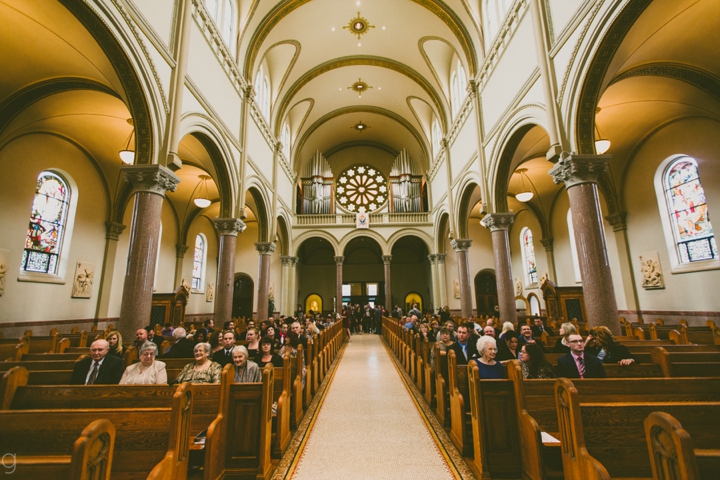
(525, 194)
(203, 201)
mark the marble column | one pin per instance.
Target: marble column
(550, 255)
(461, 247)
(292, 294)
(286, 308)
(112, 235)
(442, 279)
(388, 291)
(150, 182)
(499, 225)
(265, 249)
(180, 251)
(227, 230)
(339, 279)
(435, 284)
(619, 224)
(580, 175)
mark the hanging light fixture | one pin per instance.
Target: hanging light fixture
(126, 155)
(203, 201)
(525, 194)
(602, 145)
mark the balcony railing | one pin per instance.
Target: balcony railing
(376, 219)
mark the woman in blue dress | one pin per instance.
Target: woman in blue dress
(488, 367)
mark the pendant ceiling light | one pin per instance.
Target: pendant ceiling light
(126, 155)
(525, 194)
(203, 201)
(602, 145)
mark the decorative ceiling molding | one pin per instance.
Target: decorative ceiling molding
(360, 109)
(290, 66)
(697, 77)
(22, 99)
(361, 143)
(437, 7)
(366, 60)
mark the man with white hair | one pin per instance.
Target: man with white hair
(99, 368)
(182, 348)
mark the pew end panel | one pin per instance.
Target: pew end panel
(175, 464)
(11, 380)
(671, 449)
(93, 452)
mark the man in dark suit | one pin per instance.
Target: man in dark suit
(463, 348)
(151, 337)
(224, 356)
(577, 363)
(539, 328)
(526, 337)
(98, 369)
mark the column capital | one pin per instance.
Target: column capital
(265, 248)
(294, 261)
(618, 221)
(573, 169)
(113, 230)
(288, 260)
(229, 226)
(339, 260)
(498, 221)
(249, 92)
(180, 250)
(386, 259)
(154, 178)
(441, 258)
(547, 243)
(461, 244)
(433, 258)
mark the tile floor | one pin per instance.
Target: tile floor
(368, 426)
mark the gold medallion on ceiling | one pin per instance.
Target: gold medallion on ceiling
(360, 87)
(360, 126)
(359, 26)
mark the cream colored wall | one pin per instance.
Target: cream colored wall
(197, 303)
(246, 256)
(165, 278)
(699, 138)
(525, 218)
(29, 301)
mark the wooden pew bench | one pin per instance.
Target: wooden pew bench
(602, 440)
(89, 458)
(536, 408)
(149, 443)
(459, 396)
(48, 344)
(12, 350)
(687, 364)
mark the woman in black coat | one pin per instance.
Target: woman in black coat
(610, 350)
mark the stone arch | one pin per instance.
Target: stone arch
(441, 227)
(347, 238)
(467, 189)
(297, 242)
(410, 232)
(283, 233)
(256, 191)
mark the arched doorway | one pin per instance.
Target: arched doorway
(243, 296)
(486, 293)
(411, 299)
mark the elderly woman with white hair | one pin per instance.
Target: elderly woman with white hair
(246, 371)
(148, 371)
(202, 370)
(488, 367)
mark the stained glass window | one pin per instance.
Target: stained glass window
(689, 212)
(198, 263)
(361, 189)
(528, 256)
(48, 218)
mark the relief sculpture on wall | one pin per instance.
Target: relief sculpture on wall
(652, 277)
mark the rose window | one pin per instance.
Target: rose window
(361, 189)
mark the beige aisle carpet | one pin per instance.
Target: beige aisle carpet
(368, 426)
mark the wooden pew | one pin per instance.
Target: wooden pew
(238, 441)
(49, 344)
(672, 455)
(699, 335)
(442, 400)
(607, 440)
(150, 442)
(90, 457)
(687, 364)
(536, 408)
(281, 395)
(12, 349)
(296, 399)
(460, 419)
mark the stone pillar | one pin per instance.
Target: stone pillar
(388, 290)
(619, 224)
(338, 280)
(150, 182)
(285, 286)
(227, 230)
(442, 279)
(499, 225)
(265, 249)
(112, 235)
(292, 294)
(550, 255)
(435, 283)
(180, 251)
(461, 247)
(580, 174)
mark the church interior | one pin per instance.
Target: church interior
(179, 161)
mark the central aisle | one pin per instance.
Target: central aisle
(368, 426)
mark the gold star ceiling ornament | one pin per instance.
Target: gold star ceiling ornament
(360, 126)
(360, 87)
(358, 26)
